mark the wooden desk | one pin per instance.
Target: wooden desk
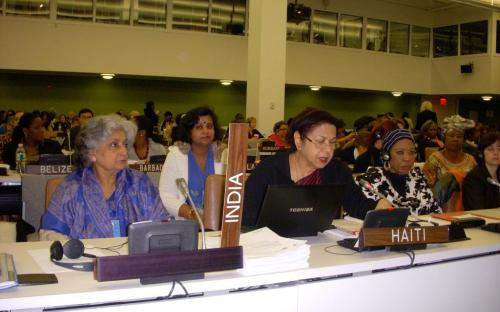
(461, 276)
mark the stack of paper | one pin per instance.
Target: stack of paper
(265, 251)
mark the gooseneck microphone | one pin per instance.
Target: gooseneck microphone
(367, 186)
(182, 186)
(492, 181)
(68, 135)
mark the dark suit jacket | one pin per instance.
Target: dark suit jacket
(477, 192)
(422, 117)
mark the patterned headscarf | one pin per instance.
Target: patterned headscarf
(457, 122)
(392, 137)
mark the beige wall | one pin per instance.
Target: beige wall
(42, 45)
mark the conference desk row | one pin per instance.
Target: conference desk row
(458, 276)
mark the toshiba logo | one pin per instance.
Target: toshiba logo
(305, 209)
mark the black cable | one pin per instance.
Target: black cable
(340, 254)
(411, 255)
(113, 248)
(171, 290)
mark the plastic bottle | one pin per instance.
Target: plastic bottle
(20, 158)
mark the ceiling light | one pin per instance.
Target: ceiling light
(226, 82)
(314, 88)
(486, 98)
(397, 93)
(108, 76)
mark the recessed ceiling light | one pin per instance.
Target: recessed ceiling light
(226, 82)
(486, 98)
(397, 93)
(108, 76)
(314, 88)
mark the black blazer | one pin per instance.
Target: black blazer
(477, 192)
(276, 170)
(422, 117)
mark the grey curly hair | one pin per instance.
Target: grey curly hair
(98, 130)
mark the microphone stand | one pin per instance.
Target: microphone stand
(181, 183)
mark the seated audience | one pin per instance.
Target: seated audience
(144, 147)
(452, 159)
(62, 124)
(373, 158)
(280, 130)
(30, 132)
(401, 183)
(425, 114)
(253, 133)
(84, 115)
(102, 197)
(308, 162)
(478, 192)
(167, 126)
(197, 156)
(428, 138)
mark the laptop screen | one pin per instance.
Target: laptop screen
(300, 210)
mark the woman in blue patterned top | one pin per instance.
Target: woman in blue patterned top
(102, 197)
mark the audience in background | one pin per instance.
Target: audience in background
(167, 126)
(84, 115)
(408, 121)
(103, 196)
(402, 184)
(428, 138)
(30, 132)
(253, 133)
(478, 192)
(280, 130)
(149, 112)
(195, 157)
(144, 147)
(372, 158)
(62, 124)
(425, 114)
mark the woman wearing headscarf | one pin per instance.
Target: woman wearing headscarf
(401, 183)
(103, 196)
(452, 160)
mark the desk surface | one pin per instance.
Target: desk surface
(13, 178)
(322, 266)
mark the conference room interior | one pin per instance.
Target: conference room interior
(368, 57)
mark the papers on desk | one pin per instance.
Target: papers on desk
(265, 251)
(345, 228)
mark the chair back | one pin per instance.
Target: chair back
(50, 188)
(213, 201)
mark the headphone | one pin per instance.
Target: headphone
(386, 157)
(72, 249)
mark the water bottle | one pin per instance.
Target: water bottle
(20, 158)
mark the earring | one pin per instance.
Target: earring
(387, 166)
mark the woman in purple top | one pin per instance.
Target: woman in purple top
(102, 197)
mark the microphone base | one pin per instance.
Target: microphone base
(170, 278)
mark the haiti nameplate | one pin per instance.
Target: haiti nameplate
(414, 235)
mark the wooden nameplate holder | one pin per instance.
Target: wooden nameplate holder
(49, 169)
(416, 236)
(146, 167)
(168, 264)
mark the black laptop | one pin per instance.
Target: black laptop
(299, 210)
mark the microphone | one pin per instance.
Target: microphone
(491, 181)
(182, 186)
(69, 143)
(367, 186)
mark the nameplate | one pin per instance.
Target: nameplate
(147, 167)
(269, 148)
(49, 169)
(413, 235)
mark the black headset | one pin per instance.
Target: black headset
(72, 249)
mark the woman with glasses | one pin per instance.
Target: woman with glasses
(309, 161)
(280, 130)
(402, 184)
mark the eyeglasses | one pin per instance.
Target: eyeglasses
(322, 143)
